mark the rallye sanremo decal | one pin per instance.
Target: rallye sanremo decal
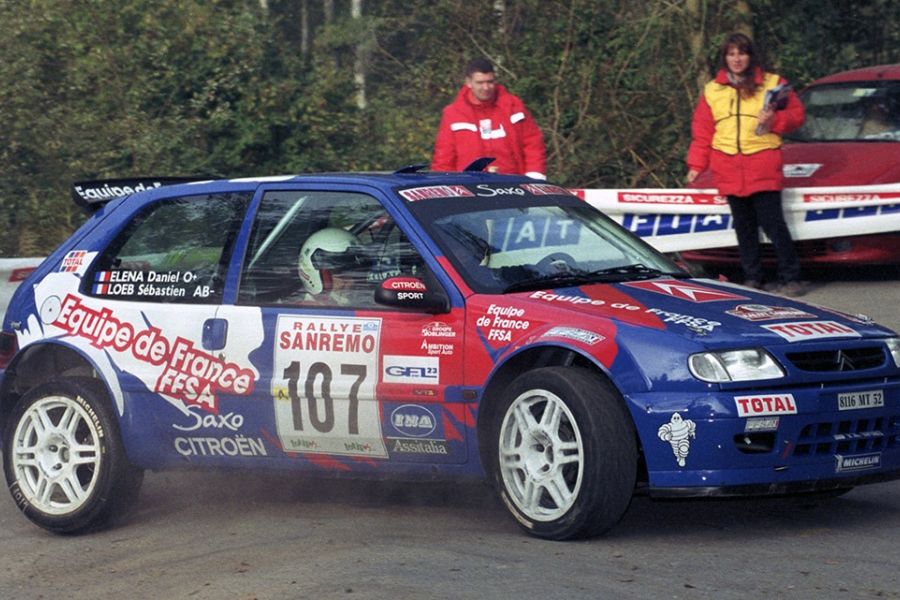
(325, 371)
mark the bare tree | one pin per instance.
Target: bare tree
(304, 28)
(359, 63)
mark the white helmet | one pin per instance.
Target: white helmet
(324, 250)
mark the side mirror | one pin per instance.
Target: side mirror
(412, 293)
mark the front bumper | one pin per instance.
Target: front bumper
(773, 489)
(708, 450)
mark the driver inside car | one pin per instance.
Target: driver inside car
(333, 268)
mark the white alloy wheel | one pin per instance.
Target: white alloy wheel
(541, 455)
(561, 449)
(64, 460)
(56, 455)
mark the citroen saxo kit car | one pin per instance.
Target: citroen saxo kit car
(421, 325)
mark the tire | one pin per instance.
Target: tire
(564, 453)
(64, 460)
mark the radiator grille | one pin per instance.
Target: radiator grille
(848, 436)
(848, 359)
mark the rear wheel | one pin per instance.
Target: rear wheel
(564, 453)
(63, 458)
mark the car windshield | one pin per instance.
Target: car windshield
(517, 246)
(857, 111)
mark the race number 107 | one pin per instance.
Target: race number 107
(317, 386)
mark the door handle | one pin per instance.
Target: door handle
(215, 333)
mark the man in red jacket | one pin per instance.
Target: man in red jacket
(485, 120)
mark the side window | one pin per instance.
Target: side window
(172, 251)
(316, 248)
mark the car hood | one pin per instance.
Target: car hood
(712, 313)
(840, 163)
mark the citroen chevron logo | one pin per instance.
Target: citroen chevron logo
(844, 362)
(685, 291)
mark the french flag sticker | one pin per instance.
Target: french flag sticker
(101, 287)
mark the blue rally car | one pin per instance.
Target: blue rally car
(420, 325)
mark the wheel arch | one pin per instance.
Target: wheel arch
(39, 363)
(549, 355)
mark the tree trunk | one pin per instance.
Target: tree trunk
(359, 64)
(744, 21)
(696, 16)
(304, 28)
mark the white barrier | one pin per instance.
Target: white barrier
(673, 220)
(12, 272)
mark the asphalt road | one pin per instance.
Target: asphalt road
(254, 536)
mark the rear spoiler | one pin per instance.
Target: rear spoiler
(91, 195)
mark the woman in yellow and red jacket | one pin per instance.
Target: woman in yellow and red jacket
(739, 140)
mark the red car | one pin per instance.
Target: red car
(851, 137)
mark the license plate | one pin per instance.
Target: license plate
(858, 400)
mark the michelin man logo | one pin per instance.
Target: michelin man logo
(678, 432)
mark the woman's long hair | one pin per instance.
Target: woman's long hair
(747, 84)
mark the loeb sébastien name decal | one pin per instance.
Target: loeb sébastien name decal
(188, 373)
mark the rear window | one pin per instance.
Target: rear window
(858, 111)
(175, 250)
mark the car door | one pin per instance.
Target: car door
(141, 310)
(349, 383)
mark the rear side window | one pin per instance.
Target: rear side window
(176, 250)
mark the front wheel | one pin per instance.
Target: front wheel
(564, 453)
(64, 460)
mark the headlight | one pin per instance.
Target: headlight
(893, 345)
(736, 365)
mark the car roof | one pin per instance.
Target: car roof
(886, 72)
(392, 179)
(91, 194)
(382, 180)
